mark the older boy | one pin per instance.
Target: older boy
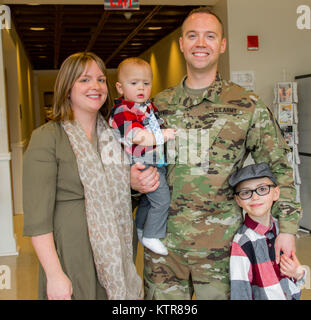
(137, 124)
(254, 273)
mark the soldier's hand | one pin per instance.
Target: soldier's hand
(144, 181)
(284, 242)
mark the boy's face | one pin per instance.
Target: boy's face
(135, 82)
(257, 206)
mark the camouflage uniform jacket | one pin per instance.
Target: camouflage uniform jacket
(203, 214)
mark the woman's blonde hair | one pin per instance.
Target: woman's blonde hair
(70, 70)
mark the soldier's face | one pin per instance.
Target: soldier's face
(202, 42)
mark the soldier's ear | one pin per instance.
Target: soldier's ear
(119, 88)
(223, 45)
(181, 44)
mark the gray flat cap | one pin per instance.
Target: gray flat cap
(253, 171)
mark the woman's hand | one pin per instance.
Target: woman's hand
(59, 287)
(144, 181)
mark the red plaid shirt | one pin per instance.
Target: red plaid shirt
(127, 118)
(254, 273)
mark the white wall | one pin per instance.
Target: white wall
(282, 46)
(16, 143)
(7, 239)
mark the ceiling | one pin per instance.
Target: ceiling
(73, 28)
(142, 2)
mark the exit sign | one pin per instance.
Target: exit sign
(121, 4)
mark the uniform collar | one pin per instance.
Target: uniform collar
(258, 227)
(211, 93)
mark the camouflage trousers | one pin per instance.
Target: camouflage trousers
(181, 273)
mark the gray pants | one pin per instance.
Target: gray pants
(152, 212)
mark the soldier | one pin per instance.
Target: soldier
(203, 216)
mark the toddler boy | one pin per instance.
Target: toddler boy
(254, 273)
(136, 121)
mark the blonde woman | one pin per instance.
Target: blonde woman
(77, 201)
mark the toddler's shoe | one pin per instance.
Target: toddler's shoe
(155, 245)
(140, 234)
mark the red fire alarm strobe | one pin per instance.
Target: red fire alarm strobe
(252, 43)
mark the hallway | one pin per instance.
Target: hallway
(24, 267)
(27, 84)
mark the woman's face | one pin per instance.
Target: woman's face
(89, 91)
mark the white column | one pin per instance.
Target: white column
(7, 238)
(17, 174)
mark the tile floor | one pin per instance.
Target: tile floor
(24, 266)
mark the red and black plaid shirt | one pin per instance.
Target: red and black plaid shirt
(254, 273)
(126, 118)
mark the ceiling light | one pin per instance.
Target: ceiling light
(136, 44)
(155, 28)
(37, 28)
(127, 15)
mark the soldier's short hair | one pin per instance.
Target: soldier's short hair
(204, 10)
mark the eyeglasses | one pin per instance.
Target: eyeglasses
(261, 191)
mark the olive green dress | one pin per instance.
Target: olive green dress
(54, 202)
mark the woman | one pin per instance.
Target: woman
(77, 192)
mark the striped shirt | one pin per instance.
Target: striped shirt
(254, 273)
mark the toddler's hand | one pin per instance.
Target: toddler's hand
(168, 134)
(290, 266)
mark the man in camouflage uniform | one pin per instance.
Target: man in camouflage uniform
(203, 216)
